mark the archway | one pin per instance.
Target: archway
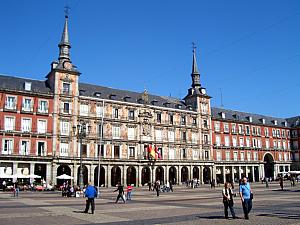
(206, 175)
(159, 174)
(62, 169)
(102, 176)
(172, 175)
(145, 175)
(115, 175)
(40, 169)
(269, 165)
(184, 174)
(195, 172)
(131, 175)
(85, 174)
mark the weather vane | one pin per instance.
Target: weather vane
(194, 46)
(67, 8)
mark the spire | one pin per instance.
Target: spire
(64, 45)
(195, 73)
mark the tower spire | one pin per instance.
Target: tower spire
(195, 72)
(64, 45)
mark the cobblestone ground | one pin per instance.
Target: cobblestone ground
(183, 206)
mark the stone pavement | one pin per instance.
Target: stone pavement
(183, 206)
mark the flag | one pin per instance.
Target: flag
(151, 151)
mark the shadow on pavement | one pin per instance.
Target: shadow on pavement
(281, 215)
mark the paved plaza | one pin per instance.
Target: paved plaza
(183, 206)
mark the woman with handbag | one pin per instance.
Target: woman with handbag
(228, 200)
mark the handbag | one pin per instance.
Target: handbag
(251, 195)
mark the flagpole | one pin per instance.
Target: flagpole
(99, 153)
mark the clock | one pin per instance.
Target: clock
(203, 91)
(67, 65)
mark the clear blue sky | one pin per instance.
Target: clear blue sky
(248, 49)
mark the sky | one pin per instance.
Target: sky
(248, 52)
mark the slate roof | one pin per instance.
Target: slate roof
(294, 121)
(18, 84)
(91, 90)
(237, 116)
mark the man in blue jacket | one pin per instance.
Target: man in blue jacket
(90, 194)
(245, 194)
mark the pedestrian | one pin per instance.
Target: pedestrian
(157, 188)
(121, 194)
(90, 194)
(213, 183)
(171, 186)
(16, 190)
(228, 200)
(129, 192)
(267, 182)
(246, 197)
(281, 183)
(149, 185)
(4, 185)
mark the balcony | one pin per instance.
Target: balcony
(65, 111)
(42, 111)
(10, 106)
(27, 109)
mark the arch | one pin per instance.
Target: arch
(41, 170)
(195, 172)
(85, 174)
(269, 165)
(115, 175)
(159, 174)
(102, 176)
(145, 175)
(173, 175)
(62, 169)
(184, 174)
(131, 175)
(206, 175)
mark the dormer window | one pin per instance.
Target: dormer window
(66, 88)
(97, 94)
(81, 92)
(166, 104)
(126, 98)
(263, 121)
(178, 106)
(275, 122)
(27, 86)
(222, 115)
(154, 101)
(285, 123)
(112, 97)
(250, 119)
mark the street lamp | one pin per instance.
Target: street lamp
(81, 131)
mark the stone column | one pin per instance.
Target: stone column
(139, 176)
(240, 172)
(108, 178)
(93, 167)
(179, 175)
(167, 173)
(74, 174)
(31, 168)
(191, 173)
(253, 173)
(90, 178)
(48, 173)
(124, 175)
(153, 174)
(232, 173)
(224, 173)
(201, 175)
(213, 172)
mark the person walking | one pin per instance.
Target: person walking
(245, 194)
(129, 191)
(120, 189)
(171, 186)
(228, 200)
(90, 194)
(281, 183)
(157, 188)
(4, 185)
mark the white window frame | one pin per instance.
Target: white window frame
(64, 149)
(116, 132)
(26, 127)
(11, 126)
(23, 151)
(64, 127)
(10, 146)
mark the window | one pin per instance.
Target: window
(131, 133)
(101, 151)
(204, 108)
(205, 124)
(99, 111)
(278, 133)
(27, 86)
(219, 156)
(84, 110)
(9, 123)
(131, 114)
(280, 156)
(267, 144)
(194, 138)
(233, 128)
(64, 149)
(171, 119)
(275, 144)
(183, 153)
(279, 144)
(258, 131)
(218, 140)
(183, 136)
(254, 143)
(10, 102)
(64, 128)
(195, 154)
(66, 88)
(7, 146)
(286, 157)
(253, 130)
(206, 154)
(284, 145)
(242, 155)
(27, 104)
(266, 132)
(255, 156)
(241, 142)
(116, 152)
(247, 130)
(158, 135)
(43, 106)
(116, 132)
(227, 156)
(116, 113)
(100, 130)
(183, 120)
(235, 156)
(194, 121)
(159, 153)
(41, 126)
(171, 135)
(205, 138)
(217, 126)
(131, 152)
(273, 132)
(259, 143)
(283, 133)
(158, 117)
(66, 107)
(41, 149)
(249, 156)
(26, 125)
(248, 142)
(234, 141)
(24, 148)
(171, 153)
(226, 127)
(227, 141)
(241, 130)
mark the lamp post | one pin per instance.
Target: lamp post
(99, 154)
(81, 131)
(151, 163)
